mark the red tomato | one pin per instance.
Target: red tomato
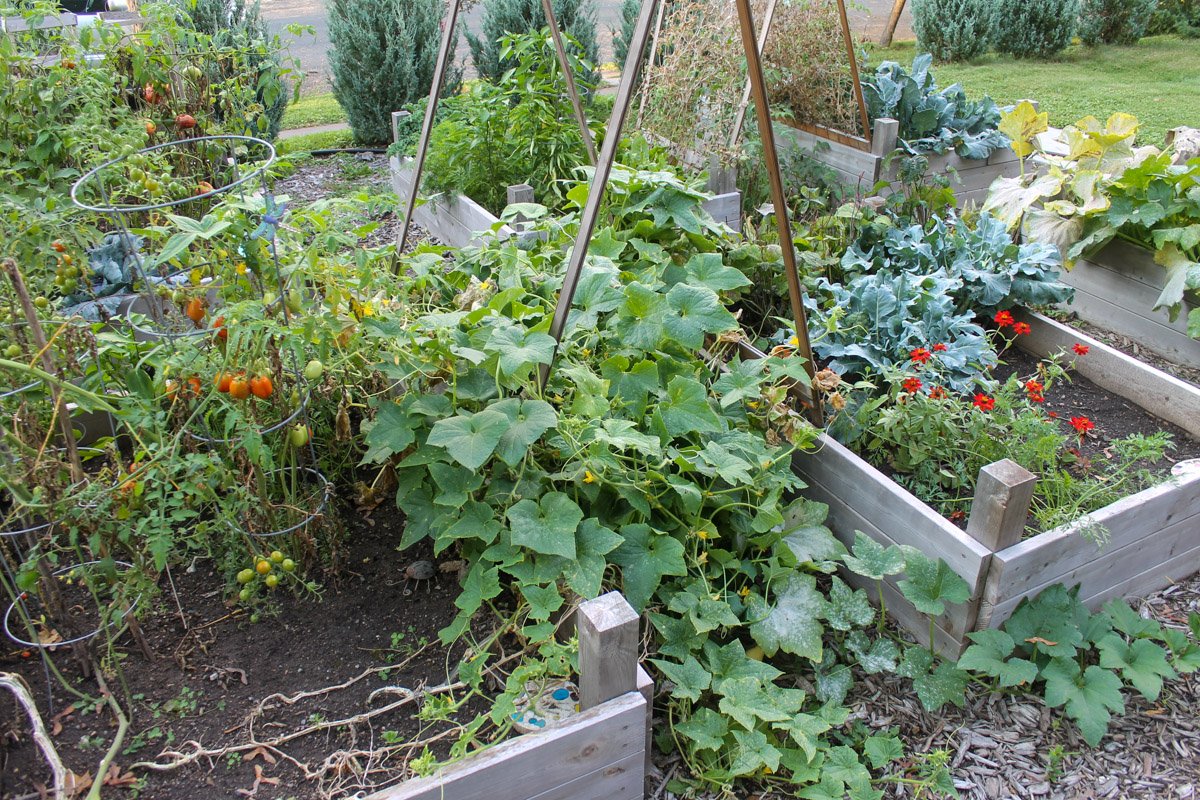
(195, 310)
(222, 332)
(222, 382)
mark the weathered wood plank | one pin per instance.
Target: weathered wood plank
(457, 221)
(1054, 555)
(621, 780)
(949, 629)
(537, 763)
(857, 164)
(1117, 290)
(1158, 393)
(1150, 564)
(1002, 495)
(898, 514)
(608, 649)
(726, 208)
(18, 24)
(1122, 318)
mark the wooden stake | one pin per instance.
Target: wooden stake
(608, 639)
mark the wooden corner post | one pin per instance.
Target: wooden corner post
(608, 649)
(1002, 496)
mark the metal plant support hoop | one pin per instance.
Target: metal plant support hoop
(76, 640)
(326, 490)
(118, 212)
(123, 209)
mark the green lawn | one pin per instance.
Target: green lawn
(329, 140)
(1156, 80)
(319, 109)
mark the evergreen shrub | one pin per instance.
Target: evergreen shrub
(1114, 21)
(952, 30)
(1039, 30)
(382, 57)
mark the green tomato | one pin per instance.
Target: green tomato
(293, 302)
(254, 618)
(314, 369)
(245, 576)
(179, 297)
(41, 302)
(272, 581)
(244, 595)
(276, 556)
(12, 351)
(298, 436)
(288, 565)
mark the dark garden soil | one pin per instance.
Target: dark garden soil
(222, 682)
(1115, 417)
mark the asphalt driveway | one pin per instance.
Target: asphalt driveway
(311, 49)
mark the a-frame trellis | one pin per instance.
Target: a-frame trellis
(604, 161)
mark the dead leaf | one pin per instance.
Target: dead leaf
(77, 784)
(259, 751)
(827, 380)
(114, 777)
(259, 778)
(58, 719)
(1040, 640)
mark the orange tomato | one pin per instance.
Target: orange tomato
(261, 386)
(151, 129)
(222, 382)
(222, 331)
(239, 388)
(194, 386)
(171, 387)
(195, 310)
(59, 246)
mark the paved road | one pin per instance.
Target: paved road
(868, 19)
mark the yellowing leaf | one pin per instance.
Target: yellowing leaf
(1085, 185)
(1119, 127)
(1079, 144)
(1021, 125)
(1050, 228)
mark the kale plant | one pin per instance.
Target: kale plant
(933, 120)
(878, 322)
(992, 272)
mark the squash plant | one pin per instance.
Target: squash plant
(1105, 188)
(644, 463)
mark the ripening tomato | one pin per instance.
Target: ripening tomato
(239, 388)
(222, 331)
(185, 121)
(59, 247)
(261, 386)
(222, 382)
(195, 310)
(151, 128)
(194, 386)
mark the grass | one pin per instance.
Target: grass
(1157, 80)
(329, 140)
(319, 109)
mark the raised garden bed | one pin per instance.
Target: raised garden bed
(461, 222)
(862, 169)
(1117, 288)
(1154, 535)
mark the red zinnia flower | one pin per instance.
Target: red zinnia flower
(921, 355)
(912, 384)
(983, 402)
(1082, 425)
(1080, 349)
(1034, 390)
(1021, 329)
(937, 393)
(1004, 319)
(939, 348)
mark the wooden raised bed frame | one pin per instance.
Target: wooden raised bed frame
(460, 222)
(1154, 534)
(600, 753)
(862, 169)
(1116, 289)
